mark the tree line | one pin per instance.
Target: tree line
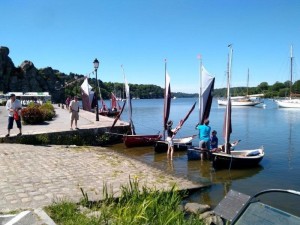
(150, 91)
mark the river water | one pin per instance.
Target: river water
(277, 129)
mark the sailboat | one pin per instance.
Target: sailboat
(228, 158)
(241, 100)
(114, 107)
(133, 139)
(291, 102)
(180, 144)
(205, 101)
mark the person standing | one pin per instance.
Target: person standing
(169, 139)
(214, 140)
(68, 102)
(14, 106)
(204, 134)
(74, 112)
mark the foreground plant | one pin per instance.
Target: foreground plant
(136, 205)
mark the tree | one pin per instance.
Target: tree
(263, 86)
(277, 86)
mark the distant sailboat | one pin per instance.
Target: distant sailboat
(241, 100)
(291, 102)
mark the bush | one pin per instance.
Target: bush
(3, 103)
(36, 113)
(32, 115)
(47, 111)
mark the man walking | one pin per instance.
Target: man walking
(13, 106)
(74, 110)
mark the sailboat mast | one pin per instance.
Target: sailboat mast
(291, 83)
(200, 89)
(228, 101)
(165, 105)
(248, 83)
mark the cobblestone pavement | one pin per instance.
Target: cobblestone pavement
(35, 176)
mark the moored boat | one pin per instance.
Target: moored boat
(239, 101)
(180, 144)
(291, 102)
(238, 159)
(228, 158)
(140, 140)
(288, 103)
(133, 139)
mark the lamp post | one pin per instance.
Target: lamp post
(96, 65)
(76, 87)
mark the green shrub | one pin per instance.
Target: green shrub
(36, 113)
(32, 115)
(3, 103)
(47, 111)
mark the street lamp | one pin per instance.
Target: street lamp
(76, 87)
(96, 65)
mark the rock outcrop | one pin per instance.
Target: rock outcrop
(27, 78)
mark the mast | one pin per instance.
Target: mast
(291, 80)
(248, 83)
(165, 99)
(200, 89)
(228, 108)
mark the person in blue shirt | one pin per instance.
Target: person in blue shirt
(204, 134)
(213, 140)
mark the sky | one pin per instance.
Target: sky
(68, 35)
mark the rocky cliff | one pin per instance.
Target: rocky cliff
(27, 78)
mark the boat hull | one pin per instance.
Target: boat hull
(109, 113)
(293, 103)
(238, 103)
(181, 144)
(194, 153)
(238, 159)
(131, 141)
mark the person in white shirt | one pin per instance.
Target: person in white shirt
(13, 106)
(74, 111)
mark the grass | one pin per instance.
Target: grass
(136, 205)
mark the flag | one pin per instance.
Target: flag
(86, 95)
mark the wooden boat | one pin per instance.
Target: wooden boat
(113, 111)
(136, 140)
(133, 139)
(228, 158)
(290, 102)
(197, 153)
(205, 100)
(238, 159)
(179, 143)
